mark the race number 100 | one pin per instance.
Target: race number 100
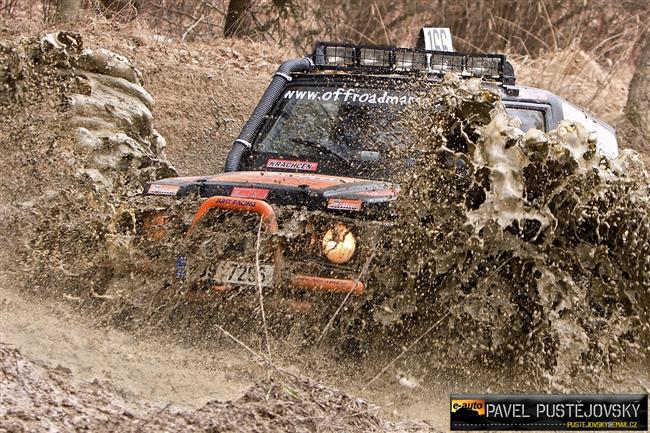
(437, 39)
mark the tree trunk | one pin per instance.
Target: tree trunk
(236, 22)
(67, 10)
(637, 108)
(125, 10)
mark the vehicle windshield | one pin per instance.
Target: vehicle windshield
(348, 131)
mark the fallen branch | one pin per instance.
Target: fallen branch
(259, 287)
(192, 26)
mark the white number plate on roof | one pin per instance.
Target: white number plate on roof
(437, 39)
(243, 274)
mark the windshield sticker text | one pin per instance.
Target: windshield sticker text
(352, 95)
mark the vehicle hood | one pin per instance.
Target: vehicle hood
(315, 191)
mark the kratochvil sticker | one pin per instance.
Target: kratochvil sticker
(344, 204)
(158, 189)
(257, 193)
(292, 165)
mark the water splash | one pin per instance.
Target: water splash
(536, 243)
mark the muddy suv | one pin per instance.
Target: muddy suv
(314, 166)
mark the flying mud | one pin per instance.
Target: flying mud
(536, 244)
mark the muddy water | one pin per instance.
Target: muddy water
(532, 247)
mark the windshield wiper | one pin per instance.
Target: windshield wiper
(328, 147)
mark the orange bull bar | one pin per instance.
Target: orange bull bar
(332, 285)
(238, 204)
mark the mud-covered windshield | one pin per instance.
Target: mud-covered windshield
(357, 128)
(349, 131)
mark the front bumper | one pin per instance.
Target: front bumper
(283, 277)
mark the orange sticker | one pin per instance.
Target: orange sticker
(258, 193)
(344, 204)
(158, 189)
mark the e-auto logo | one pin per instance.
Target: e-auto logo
(470, 407)
(467, 412)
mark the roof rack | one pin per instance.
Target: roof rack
(391, 60)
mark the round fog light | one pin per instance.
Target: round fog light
(339, 244)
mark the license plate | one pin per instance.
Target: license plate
(243, 274)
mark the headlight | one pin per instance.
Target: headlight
(339, 244)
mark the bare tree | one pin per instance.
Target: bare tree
(122, 9)
(67, 10)
(236, 20)
(637, 108)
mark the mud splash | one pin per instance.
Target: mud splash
(537, 244)
(80, 147)
(82, 133)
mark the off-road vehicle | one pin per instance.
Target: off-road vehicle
(314, 165)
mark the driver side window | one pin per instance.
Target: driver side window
(530, 117)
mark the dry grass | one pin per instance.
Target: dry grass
(577, 76)
(525, 28)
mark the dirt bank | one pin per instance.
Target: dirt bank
(152, 369)
(38, 397)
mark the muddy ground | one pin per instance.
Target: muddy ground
(62, 354)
